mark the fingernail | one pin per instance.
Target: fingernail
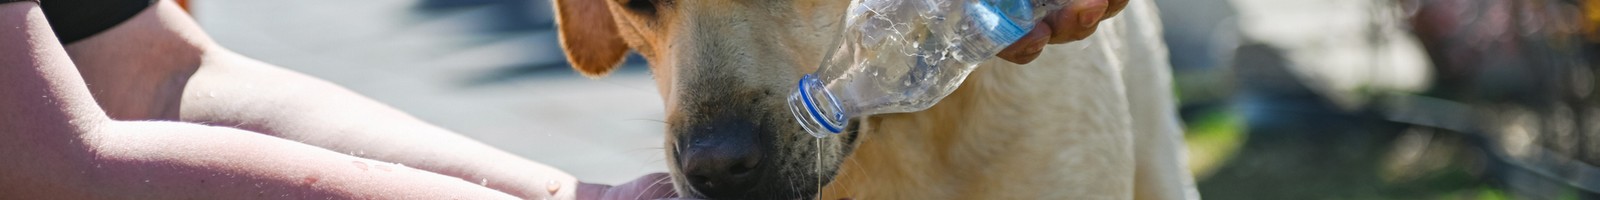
(1031, 53)
(1089, 12)
(1088, 18)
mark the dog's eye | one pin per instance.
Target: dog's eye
(646, 7)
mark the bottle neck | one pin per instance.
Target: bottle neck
(816, 109)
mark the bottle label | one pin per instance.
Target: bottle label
(998, 19)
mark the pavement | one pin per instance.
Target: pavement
(489, 69)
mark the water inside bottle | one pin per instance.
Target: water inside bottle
(898, 56)
(896, 48)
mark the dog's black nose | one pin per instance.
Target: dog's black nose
(722, 165)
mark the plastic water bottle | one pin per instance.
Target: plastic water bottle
(899, 56)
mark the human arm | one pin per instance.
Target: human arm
(232, 90)
(218, 87)
(55, 143)
(260, 97)
(1072, 23)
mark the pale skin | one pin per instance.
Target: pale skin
(1075, 22)
(69, 145)
(269, 143)
(236, 128)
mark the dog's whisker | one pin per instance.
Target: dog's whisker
(648, 120)
(654, 161)
(676, 151)
(652, 186)
(851, 160)
(692, 191)
(652, 150)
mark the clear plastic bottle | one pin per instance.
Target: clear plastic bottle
(899, 56)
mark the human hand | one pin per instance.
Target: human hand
(652, 186)
(1071, 23)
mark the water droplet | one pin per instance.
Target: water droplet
(147, 180)
(552, 187)
(211, 94)
(483, 182)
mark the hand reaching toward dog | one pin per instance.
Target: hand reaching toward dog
(652, 186)
(1072, 23)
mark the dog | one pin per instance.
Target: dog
(1092, 119)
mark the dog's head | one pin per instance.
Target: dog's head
(724, 68)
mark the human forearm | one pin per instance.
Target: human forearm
(167, 160)
(55, 143)
(148, 68)
(236, 91)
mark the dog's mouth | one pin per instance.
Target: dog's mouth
(797, 168)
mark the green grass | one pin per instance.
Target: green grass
(1213, 138)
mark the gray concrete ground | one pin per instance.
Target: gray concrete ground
(488, 69)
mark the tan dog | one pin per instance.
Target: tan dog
(1089, 120)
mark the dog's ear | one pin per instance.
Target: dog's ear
(589, 36)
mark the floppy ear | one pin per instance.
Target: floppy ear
(589, 36)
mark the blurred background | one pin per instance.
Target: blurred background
(1283, 99)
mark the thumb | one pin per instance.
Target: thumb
(1028, 47)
